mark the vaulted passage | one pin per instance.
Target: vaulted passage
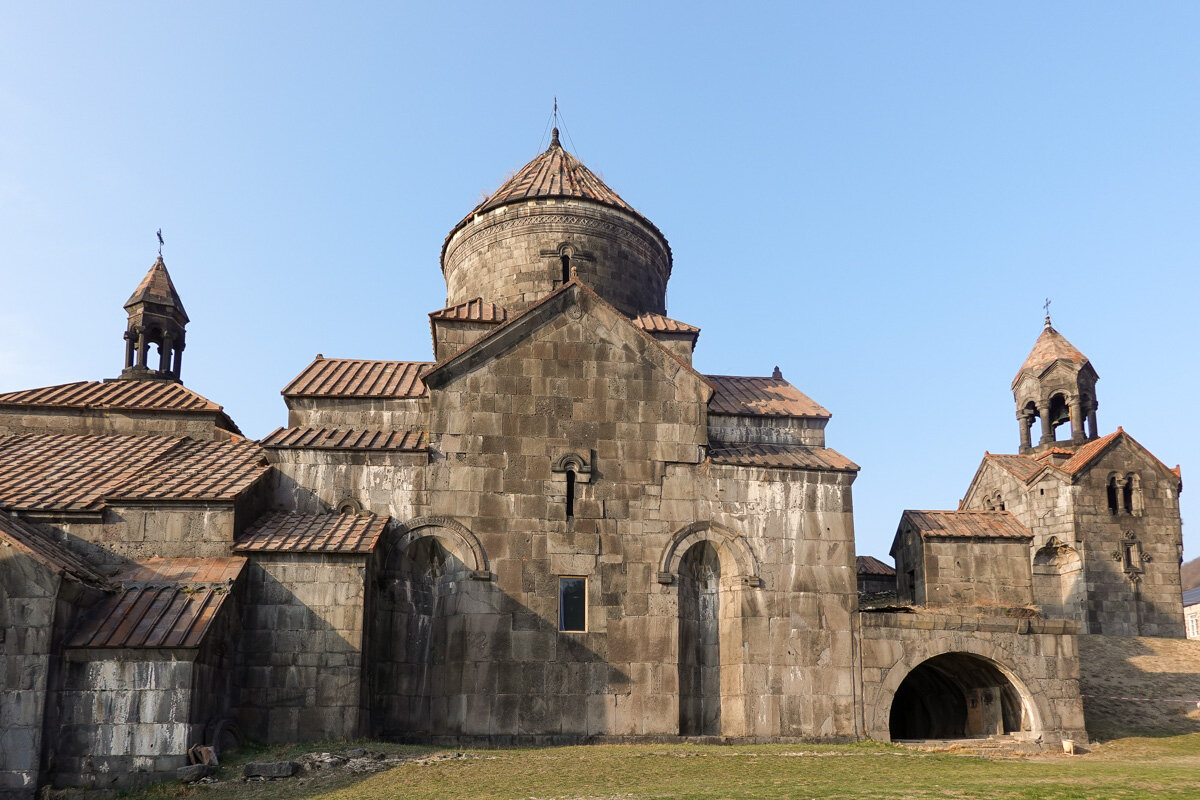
(699, 642)
(956, 696)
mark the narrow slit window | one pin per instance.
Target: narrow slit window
(1112, 495)
(1127, 496)
(572, 604)
(570, 494)
(566, 266)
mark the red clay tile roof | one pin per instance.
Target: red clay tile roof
(554, 173)
(116, 395)
(476, 310)
(967, 524)
(312, 533)
(164, 602)
(48, 551)
(869, 565)
(1050, 346)
(157, 287)
(779, 456)
(655, 323)
(760, 397)
(353, 377)
(64, 472)
(1024, 468)
(344, 439)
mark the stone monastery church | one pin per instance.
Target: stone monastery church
(553, 530)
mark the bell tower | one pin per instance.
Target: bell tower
(156, 316)
(1055, 385)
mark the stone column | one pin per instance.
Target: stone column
(178, 360)
(1075, 405)
(1025, 422)
(129, 349)
(1047, 428)
(164, 354)
(1093, 431)
(142, 347)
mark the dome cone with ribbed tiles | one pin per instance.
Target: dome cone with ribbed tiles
(554, 173)
(157, 288)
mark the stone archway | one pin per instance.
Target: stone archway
(955, 696)
(429, 573)
(737, 559)
(989, 658)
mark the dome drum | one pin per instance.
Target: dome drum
(516, 254)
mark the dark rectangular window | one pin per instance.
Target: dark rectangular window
(572, 604)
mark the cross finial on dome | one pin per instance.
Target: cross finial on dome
(1047, 307)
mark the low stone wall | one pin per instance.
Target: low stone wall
(1039, 657)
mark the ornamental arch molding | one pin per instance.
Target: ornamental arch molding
(732, 548)
(453, 535)
(1033, 699)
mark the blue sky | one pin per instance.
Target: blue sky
(877, 197)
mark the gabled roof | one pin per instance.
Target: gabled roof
(966, 524)
(1028, 467)
(344, 439)
(356, 377)
(869, 565)
(1051, 346)
(554, 173)
(516, 328)
(477, 310)
(163, 602)
(761, 397)
(75, 473)
(158, 288)
(780, 456)
(280, 531)
(657, 323)
(48, 551)
(1191, 597)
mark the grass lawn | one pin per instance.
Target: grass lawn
(1167, 767)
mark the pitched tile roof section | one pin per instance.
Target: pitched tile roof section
(115, 395)
(657, 323)
(1050, 346)
(761, 397)
(74, 473)
(780, 456)
(353, 377)
(1191, 597)
(1024, 468)
(345, 439)
(163, 602)
(869, 565)
(554, 173)
(477, 310)
(157, 287)
(48, 551)
(281, 532)
(967, 524)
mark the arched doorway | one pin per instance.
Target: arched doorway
(956, 696)
(700, 641)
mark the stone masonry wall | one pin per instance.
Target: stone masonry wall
(589, 384)
(1040, 657)
(977, 572)
(28, 595)
(510, 256)
(358, 413)
(97, 423)
(1146, 599)
(132, 533)
(302, 647)
(315, 481)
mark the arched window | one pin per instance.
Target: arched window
(1113, 495)
(566, 268)
(570, 494)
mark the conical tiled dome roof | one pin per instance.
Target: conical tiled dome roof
(157, 288)
(1051, 346)
(554, 173)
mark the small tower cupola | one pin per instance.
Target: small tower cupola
(156, 317)
(1056, 385)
